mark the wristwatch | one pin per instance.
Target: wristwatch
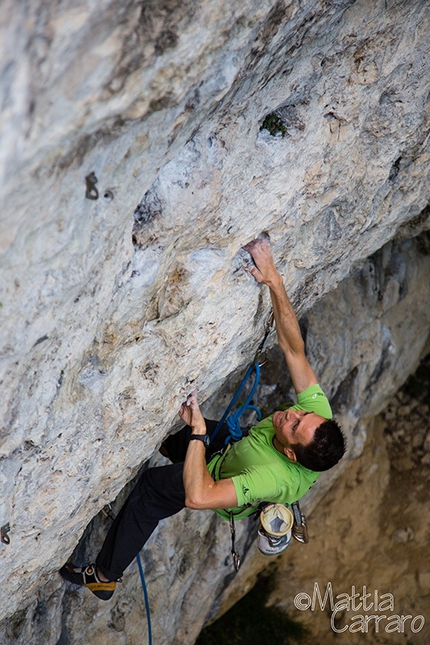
(201, 437)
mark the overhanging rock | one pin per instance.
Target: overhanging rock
(108, 319)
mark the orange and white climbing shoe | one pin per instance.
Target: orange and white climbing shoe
(87, 577)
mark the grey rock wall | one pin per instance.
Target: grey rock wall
(188, 570)
(111, 314)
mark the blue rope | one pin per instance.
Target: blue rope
(145, 594)
(233, 420)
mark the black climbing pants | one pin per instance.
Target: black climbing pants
(159, 493)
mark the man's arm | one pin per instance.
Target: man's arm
(201, 491)
(287, 328)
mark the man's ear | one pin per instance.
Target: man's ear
(289, 452)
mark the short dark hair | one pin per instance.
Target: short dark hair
(325, 450)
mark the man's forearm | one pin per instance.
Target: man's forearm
(196, 475)
(287, 326)
(290, 338)
(201, 491)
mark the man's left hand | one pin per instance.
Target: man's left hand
(265, 270)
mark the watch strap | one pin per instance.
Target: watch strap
(201, 437)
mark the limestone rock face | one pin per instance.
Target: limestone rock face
(187, 565)
(110, 313)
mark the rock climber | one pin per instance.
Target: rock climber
(278, 461)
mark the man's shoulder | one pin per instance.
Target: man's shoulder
(313, 399)
(263, 426)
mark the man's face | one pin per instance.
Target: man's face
(294, 427)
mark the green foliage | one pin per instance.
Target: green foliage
(250, 621)
(274, 125)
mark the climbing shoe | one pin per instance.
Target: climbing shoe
(87, 577)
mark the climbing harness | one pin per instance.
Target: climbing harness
(107, 511)
(278, 524)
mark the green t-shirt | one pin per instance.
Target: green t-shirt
(260, 473)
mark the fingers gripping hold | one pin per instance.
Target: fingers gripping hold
(192, 400)
(264, 270)
(190, 411)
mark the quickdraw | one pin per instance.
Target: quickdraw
(300, 526)
(234, 554)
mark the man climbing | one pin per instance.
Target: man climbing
(278, 461)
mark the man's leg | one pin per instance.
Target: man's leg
(159, 493)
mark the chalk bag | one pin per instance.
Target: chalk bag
(274, 533)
